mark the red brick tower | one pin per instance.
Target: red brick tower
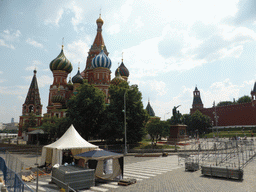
(32, 105)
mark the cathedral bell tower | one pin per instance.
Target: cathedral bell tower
(32, 105)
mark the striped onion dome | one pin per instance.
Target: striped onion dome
(58, 98)
(118, 79)
(77, 78)
(61, 63)
(101, 60)
(124, 72)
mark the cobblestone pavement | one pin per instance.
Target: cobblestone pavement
(161, 174)
(179, 180)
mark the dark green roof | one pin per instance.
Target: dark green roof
(197, 100)
(150, 110)
(254, 88)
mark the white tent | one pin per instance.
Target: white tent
(70, 140)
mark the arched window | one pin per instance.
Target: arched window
(31, 109)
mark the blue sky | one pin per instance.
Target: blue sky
(169, 47)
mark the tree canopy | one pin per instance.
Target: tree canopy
(224, 103)
(197, 122)
(136, 116)
(56, 127)
(156, 128)
(85, 110)
(244, 99)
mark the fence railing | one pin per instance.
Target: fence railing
(13, 182)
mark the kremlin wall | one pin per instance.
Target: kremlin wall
(237, 115)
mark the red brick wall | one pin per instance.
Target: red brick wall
(240, 114)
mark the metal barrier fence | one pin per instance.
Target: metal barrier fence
(13, 182)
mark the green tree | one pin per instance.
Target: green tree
(56, 127)
(157, 129)
(199, 122)
(85, 110)
(225, 103)
(166, 128)
(244, 99)
(154, 129)
(136, 116)
(30, 123)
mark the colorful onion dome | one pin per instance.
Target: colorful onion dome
(69, 84)
(99, 20)
(58, 98)
(124, 72)
(118, 79)
(101, 60)
(61, 63)
(77, 78)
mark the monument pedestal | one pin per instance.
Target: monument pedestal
(178, 133)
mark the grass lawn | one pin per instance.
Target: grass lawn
(146, 144)
(227, 134)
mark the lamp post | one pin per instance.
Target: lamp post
(166, 114)
(216, 120)
(125, 136)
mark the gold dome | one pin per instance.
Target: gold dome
(99, 20)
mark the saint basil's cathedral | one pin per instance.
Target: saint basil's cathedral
(96, 72)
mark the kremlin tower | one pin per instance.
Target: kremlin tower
(197, 102)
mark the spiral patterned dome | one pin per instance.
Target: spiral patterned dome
(77, 78)
(118, 79)
(61, 63)
(101, 60)
(124, 72)
(58, 98)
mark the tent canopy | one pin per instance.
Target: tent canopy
(70, 140)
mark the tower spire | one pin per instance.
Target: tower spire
(62, 43)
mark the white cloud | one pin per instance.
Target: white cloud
(13, 90)
(34, 43)
(55, 18)
(76, 52)
(8, 38)
(163, 108)
(44, 80)
(154, 86)
(79, 15)
(114, 29)
(126, 10)
(35, 64)
(65, 8)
